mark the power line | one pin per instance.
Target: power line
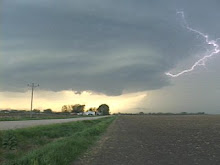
(32, 95)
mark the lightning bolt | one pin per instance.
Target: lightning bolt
(202, 61)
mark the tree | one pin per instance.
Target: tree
(103, 109)
(48, 111)
(64, 108)
(36, 111)
(94, 109)
(77, 108)
(67, 108)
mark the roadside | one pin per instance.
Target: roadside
(50, 144)
(6, 125)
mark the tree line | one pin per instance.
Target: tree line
(103, 109)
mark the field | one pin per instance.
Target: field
(50, 144)
(158, 140)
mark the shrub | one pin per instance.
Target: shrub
(9, 141)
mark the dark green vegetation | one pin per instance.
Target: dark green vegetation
(51, 144)
(103, 109)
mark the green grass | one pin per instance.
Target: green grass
(52, 144)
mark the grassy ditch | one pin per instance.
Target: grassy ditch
(52, 144)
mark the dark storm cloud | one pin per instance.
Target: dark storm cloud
(101, 45)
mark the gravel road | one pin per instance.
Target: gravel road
(6, 125)
(158, 140)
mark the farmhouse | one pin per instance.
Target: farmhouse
(89, 113)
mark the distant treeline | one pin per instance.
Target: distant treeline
(103, 109)
(161, 113)
(25, 111)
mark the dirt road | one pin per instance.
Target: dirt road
(158, 140)
(6, 125)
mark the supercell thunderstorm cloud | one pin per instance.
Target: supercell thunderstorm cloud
(113, 48)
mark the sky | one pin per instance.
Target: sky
(108, 51)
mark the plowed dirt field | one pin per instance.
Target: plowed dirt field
(158, 140)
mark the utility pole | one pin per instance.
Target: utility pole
(32, 95)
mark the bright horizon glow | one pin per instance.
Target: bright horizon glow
(55, 100)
